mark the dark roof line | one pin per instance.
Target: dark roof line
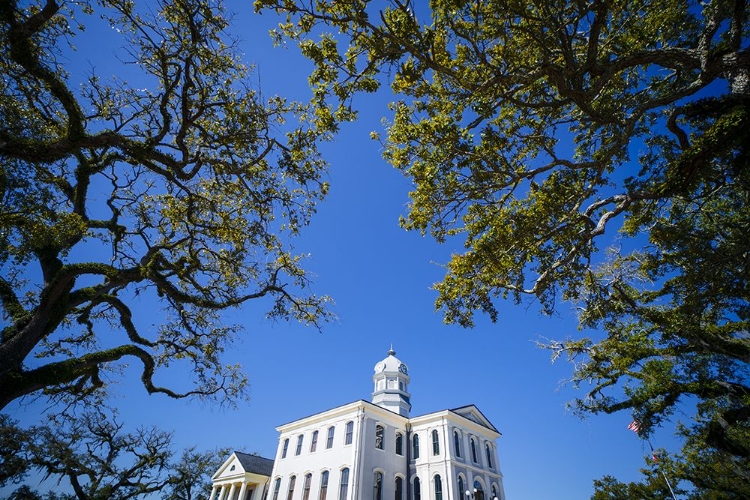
(255, 464)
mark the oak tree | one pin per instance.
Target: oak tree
(95, 457)
(594, 152)
(172, 188)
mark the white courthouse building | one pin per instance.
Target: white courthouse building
(373, 451)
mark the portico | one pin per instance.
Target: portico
(241, 477)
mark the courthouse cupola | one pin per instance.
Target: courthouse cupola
(391, 380)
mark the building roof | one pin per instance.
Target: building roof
(470, 412)
(255, 464)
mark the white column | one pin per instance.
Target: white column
(231, 491)
(214, 489)
(223, 490)
(243, 488)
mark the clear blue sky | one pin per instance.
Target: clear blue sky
(380, 279)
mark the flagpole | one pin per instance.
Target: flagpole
(653, 455)
(635, 426)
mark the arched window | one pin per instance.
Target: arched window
(299, 444)
(290, 493)
(314, 442)
(323, 485)
(415, 446)
(473, 450)
(377, 488)
(435, 443)
(457, 443)
(399, 443)
(417, 489)
(286, 447)
(306, 487)
(438, 488)
(461, 487)
(489, 455)
(399, 488)
(478, 491)
(329, 442)
(494, 492)
(276, 488)
(344, 487)
(379, 437)
(349, 432)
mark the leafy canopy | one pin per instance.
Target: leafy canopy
(180, 191)
(532, 129)
(94, 456)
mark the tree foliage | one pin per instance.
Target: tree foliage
(531, 129)
(179, 191)
(98, 459)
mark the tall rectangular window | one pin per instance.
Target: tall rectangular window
(438, 488)
(323, 485)
(329, 442)
(344, 489)
(417, 489)
(415, 446)
(379, 437)
(377, 493)
(314, 442)
(435, 443)
(286, 447)
(290, 493)
(276, 488)
(306, 487)
(399, 444)
(489, 455)
(349, 432)
(400, 489)
(299, 444)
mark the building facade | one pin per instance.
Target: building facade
(376, 451)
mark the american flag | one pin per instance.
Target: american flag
(635, 426)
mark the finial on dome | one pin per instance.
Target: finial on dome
(391, 352)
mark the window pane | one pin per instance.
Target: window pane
(314, 442)
(276, 488)
(399, 444)
(344, 484)
(329, 443)
(416, 446)
(473, 450)
(438, 488)
(299, 444)
(290, 493)
(323, 485)
(461, 489)
(399, 489)
(457, 444)
(489, 455)
(379, 437)
(349, 431)
(306, 487)
(417, 489)
(377, 493)
(435, 443)
(286, 447)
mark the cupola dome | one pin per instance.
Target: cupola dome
(391, 381)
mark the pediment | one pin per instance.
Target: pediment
(471, 412)
(230, 467)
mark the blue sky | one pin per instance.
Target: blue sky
(380, 277)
